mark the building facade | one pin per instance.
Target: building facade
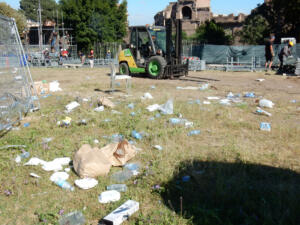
(192, 12)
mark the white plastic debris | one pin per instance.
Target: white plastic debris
(158, 147)
(225, 101)
(167, 108)
(266, 103)
(188, 88)
(122, 213)
(260, 80)
(35, 162)
(34, 175)
(18, 159)
(147, 96)
(153, 108)
(204, 87)
(109, 196)
(67, 170)
(52, 166)
(54, 86)
(213, 98)
(86, 183)
(96, 141)
(262, 112)
(70, 107)
(99, 109)
(116, 112)
(206, 102)
(59, 176)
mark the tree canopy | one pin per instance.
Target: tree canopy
(30, 9)
(7, 11)
(212, 33)
(95, 20)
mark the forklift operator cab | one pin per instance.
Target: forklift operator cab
(151, 52)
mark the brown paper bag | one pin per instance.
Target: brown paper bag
(91, 162)
(119, 153)
(106, 102)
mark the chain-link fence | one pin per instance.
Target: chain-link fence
(17, 92)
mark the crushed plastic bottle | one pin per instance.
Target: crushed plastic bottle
(265, 126)
(122, 176)
(133, 167)
(136, 135)
(64, 185)
(73, 218)
(194, 132)
(249, 95)
(24, 155)
(117, 187)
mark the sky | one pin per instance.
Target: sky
(141, 12)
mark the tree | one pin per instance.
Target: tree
(7, 11)
(95, 20)
(30, 9)
(212, 33)
(255, 30)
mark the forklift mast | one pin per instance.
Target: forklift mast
(176, 59)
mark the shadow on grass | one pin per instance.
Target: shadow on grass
(234, 193)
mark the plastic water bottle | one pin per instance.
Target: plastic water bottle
(64, 185)
(136, 135)
(25, 155)
(117, 187)
(194, 132)
(73, 218)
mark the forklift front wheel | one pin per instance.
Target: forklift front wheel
(156, 67)
(124, 70)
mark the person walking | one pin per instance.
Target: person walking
(269, 52)
(91, 58)
(284, 53)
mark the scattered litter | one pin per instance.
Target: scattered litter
(249, 95)
(86, 183)
(85, 100)
(147, 96)
(204, 87)
(206, 102)
(64, 185)
(194, 132)
(180, 121)
(54, 86)
(59, 176)
(167, 108)
(260, 80)
(35, 162)
(106, 102)
(293, 101)
(67, 121)
(26, 124)
(116, 112)
(265, 126)
(99, 109)
(262, 112)
(213, 98)
(122, 213)
(73, 218)
(116, 138)
(133, 167)
(24, 155)
(109, 196)
(117, 187)
(157, 115)
(67, 170)
(225, 101)
(136, 135)
(93, 162)
(152, 87)
(131, 106)
(96, 141)
(188, 88)
(34, 175)
(186, 178)
(121, 176)
(82, 122)
(70, 107)
(56, 164)
(266, 103)
(153, 108)
(158, 147)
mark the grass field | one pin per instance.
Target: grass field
(239, 174)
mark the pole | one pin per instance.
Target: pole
(40, 27)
